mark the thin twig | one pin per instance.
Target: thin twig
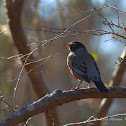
(90, 120)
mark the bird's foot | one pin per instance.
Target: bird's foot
(87, 87)
(77, 88)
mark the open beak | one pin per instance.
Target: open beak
(68, 45)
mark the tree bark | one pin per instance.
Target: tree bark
(14, 9)
(58, 98)
(116, 81)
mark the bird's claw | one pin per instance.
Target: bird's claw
(88, 86)
(77, 88)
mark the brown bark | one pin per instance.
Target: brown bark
(116, 81)
(14, 9)
(58, 98)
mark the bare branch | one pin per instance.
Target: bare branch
(94, 119)
(9, 107)
(4, 31)
(14, 9)
(5, 109)
(58, 98)
(116, 81)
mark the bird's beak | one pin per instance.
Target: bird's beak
(68, 45)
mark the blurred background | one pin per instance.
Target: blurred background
(38, 17)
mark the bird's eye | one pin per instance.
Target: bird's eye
(73, 45)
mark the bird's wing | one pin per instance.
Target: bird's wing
(96, 67)
(79, 69)
(92, 70)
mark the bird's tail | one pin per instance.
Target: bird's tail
(101, 87)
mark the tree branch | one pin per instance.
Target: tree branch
(58, 98)
(14, 9)
(116, 81)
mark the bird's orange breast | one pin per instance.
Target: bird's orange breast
(77, 77)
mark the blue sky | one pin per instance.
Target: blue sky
(48, 7)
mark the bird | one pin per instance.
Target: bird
(83, 66)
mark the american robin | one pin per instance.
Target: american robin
(83, 66)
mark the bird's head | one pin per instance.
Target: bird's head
(73, 46)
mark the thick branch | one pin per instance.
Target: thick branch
(58, 98)
(116, 81)
(14, 15)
